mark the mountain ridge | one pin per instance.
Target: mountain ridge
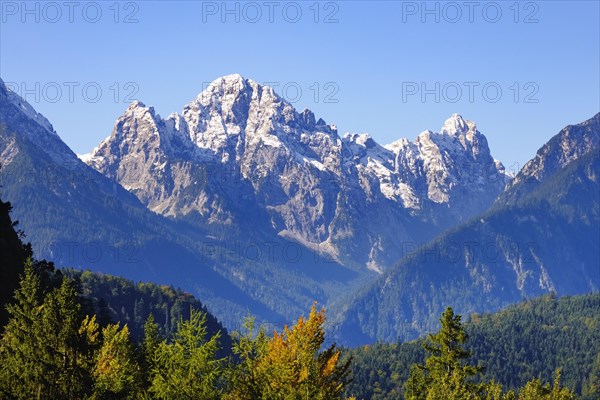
(546, 241)
(315, 187)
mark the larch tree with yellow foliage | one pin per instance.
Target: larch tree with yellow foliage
(116, 373)
(290, 365)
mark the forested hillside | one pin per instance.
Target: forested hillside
(12, 256)
(531, 339)
(113, 299)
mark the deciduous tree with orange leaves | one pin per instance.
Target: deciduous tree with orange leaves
(291, 364)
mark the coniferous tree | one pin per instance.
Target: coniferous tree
(245, 381)
(536, 390)
(13, 254)
(47, 346)
(187, 368)
(22, 376)
(117, 374)
(294, 367)
(148, 348)
(64, 346)
(591, 389)
(445, 375)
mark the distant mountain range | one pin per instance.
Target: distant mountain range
(258, 208)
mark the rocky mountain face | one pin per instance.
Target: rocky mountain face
(568, 145)
(79, 218)
(241, 157)
(541, 236)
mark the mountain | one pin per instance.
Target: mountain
(76, 217)
(538, 238)
(240, 160)
(571, 143)
(529, 339)
(259, 209)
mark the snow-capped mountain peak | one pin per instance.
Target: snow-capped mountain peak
(316, 187)
(19, 116)
(456, 125)
(25, 107)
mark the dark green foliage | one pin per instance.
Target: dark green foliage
(531, 339)
(122, 300)
(446, 373)
(110, 298)
(538, 337)
(12, 257)
(50, 351)
(13, 253)
(45, 350)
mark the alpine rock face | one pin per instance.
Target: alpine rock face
(540, 236)
(571, 143)
(241, 157)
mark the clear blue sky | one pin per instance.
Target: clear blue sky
(374, 55)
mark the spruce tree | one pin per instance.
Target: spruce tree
(47, 346)
(64, 346)
(22, 376)
(446, 375)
